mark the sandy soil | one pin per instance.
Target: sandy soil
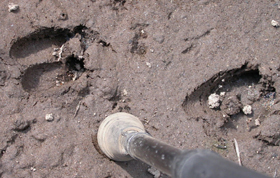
(77, 62)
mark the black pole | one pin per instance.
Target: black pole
(183, 164)
(122, 137)
(151, 151)
(208, 164)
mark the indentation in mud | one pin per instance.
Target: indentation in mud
(118, 4)
(52, 56)
(137, 46)
(231, 90)
(74, 68)
(189, 48)
(75, 64)
(193, 41)
(38, 47)
(41, 76)
(207, 32)
(196, 104)
(236, 101)
(39, 43)
(88, 36)
(3, 77)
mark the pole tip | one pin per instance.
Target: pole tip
(111, 134)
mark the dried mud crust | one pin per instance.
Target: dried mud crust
(67, 65)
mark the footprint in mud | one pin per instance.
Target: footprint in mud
(50, 57)
(42, 77)
(34, 75)
(231, 100)
(227, 83)
(38, 46)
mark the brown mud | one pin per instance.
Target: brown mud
(81, 61)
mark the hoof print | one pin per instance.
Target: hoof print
(224, 84)
(40, 77)
(233, 89)
(50, 57)
(38, 46)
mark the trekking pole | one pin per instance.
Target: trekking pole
(122, 137)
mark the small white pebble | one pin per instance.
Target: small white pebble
(13, 7)
(155, 172)
(58, 83)
(124, 92)
(33, 169)
(274, 23)
(257, 122)
(75, 76)
(214, 101)
(49, 117)
(149, 64)
(247, 109)
(222, 93)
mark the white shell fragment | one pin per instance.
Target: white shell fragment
(274, 23)
(33, 169)
(257, 122)
(49, 117)
(149, 64)
(154, 172)
(13, 7)
(124, 92)
(214, 101)
(247, 109)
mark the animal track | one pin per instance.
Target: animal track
(223, 81)
(37, 47)
(51, 56)
(235, 89)
(40, 77)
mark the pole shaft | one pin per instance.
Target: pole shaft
(180, 164)
(151, 151)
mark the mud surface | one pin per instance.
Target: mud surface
(80, 61)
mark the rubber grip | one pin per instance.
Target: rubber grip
(208, 164)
